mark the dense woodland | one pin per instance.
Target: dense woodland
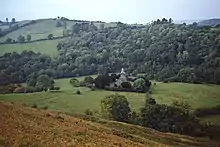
(163, 50)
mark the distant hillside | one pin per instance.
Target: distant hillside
(41, 28)
(186, 21)
(23, 126)
(209, 22)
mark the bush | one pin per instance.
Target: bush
(168, 119)
(116, 107)
(34, 106)
(126, 85)
(55, 88)
(202, 112)
(139, 85)
(74, 82)
(20, 90)
(30, 89)
(88, 112)
(45, 107)
(89, 80)
(78, 92)
(150, 101)
(50, 37)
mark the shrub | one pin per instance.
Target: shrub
(116, 107)
(30, 89)
(150, 101)
(82, 84)
(139, 85)
(78, 92)
(168, 119)
(89, 80)
(55, 88)
(74, 82)
(126, 85)
(88, 112)
(20, 90)
(34, 106)
(45, 107)
(202, 112)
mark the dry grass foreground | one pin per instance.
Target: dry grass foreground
(24, 126)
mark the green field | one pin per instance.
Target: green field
(39, 30)
(198, 96)
(47, 47)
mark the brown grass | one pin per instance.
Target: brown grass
(23, 126)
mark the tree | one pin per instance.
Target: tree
(28, 37)
(74, 82)
(116, 107)
(6, 20)
(50, 36)
(126, 85)
(168, 119)
(21, 39)
(32, 82)
(139, 84)
(44, 82)
(170, 20)
(89, 80)
(8, 40)
(13, 20)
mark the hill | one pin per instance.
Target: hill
(47, 47)
(209, 22)
(23, 126)
(39, 30)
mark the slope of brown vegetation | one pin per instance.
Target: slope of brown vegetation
(23, 126)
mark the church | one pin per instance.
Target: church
(121, 79)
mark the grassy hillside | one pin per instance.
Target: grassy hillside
(22, 126)
(39, 30)
(198, 96)
(47, 47)
(42, 29)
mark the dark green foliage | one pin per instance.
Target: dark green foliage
(139, 85)
(8, 40)
(165, 51)
(50, 36)
(44, 82)
(28, 37)
(78, 92)
(203, 112)
(89, 80)
(74, 82)
(34, 106)
(150, 101)
(88, 112)
(181, 105)
(45, 107)
(55, 88)
(168, 119)
(116, 107)
(102, 80)
(21, 39)
(20, 90)
(126, 85)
